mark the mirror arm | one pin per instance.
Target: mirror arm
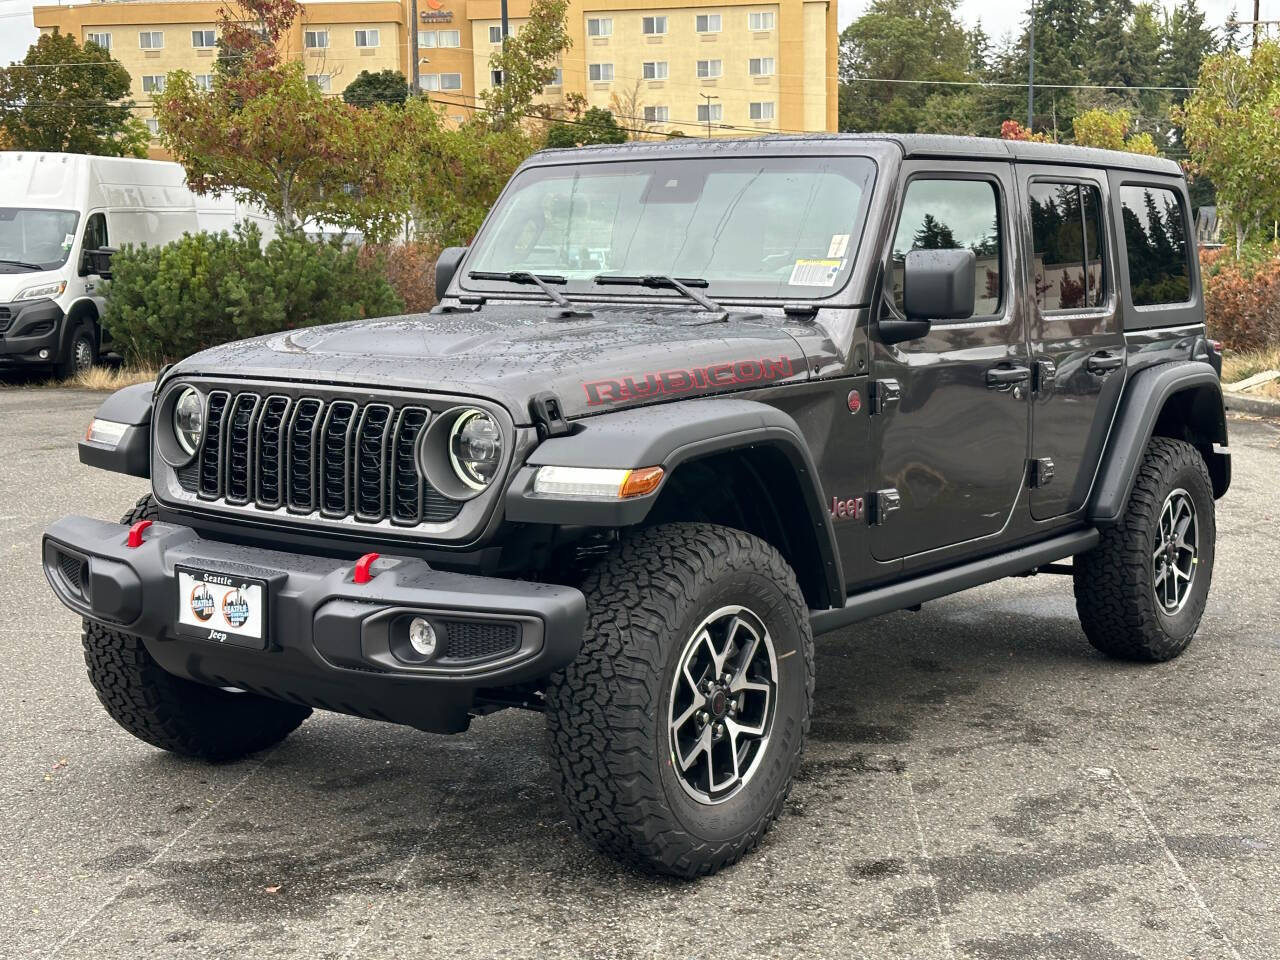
(892, 330)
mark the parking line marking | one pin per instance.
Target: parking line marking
(1173, 861)
(129, 881)
(928, 868)
(373, 917)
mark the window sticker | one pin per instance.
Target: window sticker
(67, 240)
(839, 245)
(815, 273)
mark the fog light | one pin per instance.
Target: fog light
(44, 354)
(422, 637)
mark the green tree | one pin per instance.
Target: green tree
(596, 125)
(387, 87)
(65, 98)
(526, 62)
(1109, 130)
(1231, 125)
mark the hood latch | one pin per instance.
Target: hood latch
(548, 415)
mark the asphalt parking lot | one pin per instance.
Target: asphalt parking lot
(980, 784)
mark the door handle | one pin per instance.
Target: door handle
(1002, 378)
(1102, 362)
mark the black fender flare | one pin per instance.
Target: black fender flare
(668, 435)
(130, 407)
(1194, 386)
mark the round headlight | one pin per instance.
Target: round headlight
(188, 420)
(475, 448)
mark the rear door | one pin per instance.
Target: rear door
(1077, 345)
(950, 409)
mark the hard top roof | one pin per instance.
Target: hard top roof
(911, 145)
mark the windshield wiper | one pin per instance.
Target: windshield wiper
(23, 263)
(542, 282)
(660, 282)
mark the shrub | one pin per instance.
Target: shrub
(165, 303)
(1242, 298)
(410, 268)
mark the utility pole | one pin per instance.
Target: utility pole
(413, 46)
(504, 25)
(708, 97)
(1257, 13)
(1031, 70)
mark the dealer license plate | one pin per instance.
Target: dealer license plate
(225, 608)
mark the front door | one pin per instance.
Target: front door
(1077, 347)
(950, 409)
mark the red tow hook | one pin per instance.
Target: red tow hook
(135, 533)
(362, 574)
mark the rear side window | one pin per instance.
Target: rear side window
(1066, 241)
(953, 215)
(1155, 236)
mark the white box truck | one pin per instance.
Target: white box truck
(61, 217)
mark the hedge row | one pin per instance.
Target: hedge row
(1242, 298)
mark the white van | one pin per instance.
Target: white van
(57, 211)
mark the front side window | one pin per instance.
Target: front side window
(153, 83)
(760, 66)
(655, 70)
(600, 72)
(95, 231)
(600, 27)
(953, 215)
(654, 25)
(1066, 246)
(40, 238)
(776, 227)
(315, 39)
(151, 39)
(762, 20)
(366, 38)
(1155, 236)
(707, 23)
(101, 39)
(203, 39)
(710, 69)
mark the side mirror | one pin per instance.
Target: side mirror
(936, 285)
(97, 261)
(446, 267)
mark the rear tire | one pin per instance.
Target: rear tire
(1141, 592)
(173, 713)
(677, 731)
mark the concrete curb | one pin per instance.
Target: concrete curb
(1254, 406)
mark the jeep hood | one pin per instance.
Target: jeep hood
(619, 356)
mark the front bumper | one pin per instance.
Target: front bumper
(329, 640)
(30, 327)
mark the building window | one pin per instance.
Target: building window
(600, 72)
(320, 81)
(710, 112)
(151, 39)
(760, 20)
(203, 39)
(655, 69)
(762, 111)
(710, 69)
(557, 79)
(495, 78)
(426, 39)
(101, 39)
(153, 126)
(654, 25)
(1155, 236)
(203, 81)
(316, 39)
(450, 81)
(707, 23)
(153, 83)
(760, 66)
(600, 26)
(495, 34)
(656, 114)
(449, 38)
(429, 81)
(366, 38)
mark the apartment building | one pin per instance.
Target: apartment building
(719, 68)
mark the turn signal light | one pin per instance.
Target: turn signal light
(642, 481)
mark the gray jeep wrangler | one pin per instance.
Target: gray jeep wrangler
(682, 407)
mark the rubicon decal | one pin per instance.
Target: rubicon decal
(684, 380)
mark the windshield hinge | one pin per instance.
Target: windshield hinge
(548, 415)
(801, 311)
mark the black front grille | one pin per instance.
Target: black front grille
(477, 640)
(335, 457)
(6, 318)
(75, 571)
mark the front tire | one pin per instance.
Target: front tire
(1141, 592)
(174, 713)
(82, 354)
(677, 731)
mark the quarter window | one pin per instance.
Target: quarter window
(654, 25)
(1066, 241)
(600, 27)
(654, 69)
(1155, 236)
(953, 215)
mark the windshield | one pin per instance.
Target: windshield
(41, 239)
(784, 227)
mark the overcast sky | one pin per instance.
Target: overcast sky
(17, 33)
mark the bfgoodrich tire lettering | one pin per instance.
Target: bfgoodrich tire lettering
(609, 711)
(1119, 584)
(171, 712)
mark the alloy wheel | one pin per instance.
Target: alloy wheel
(1173, 562)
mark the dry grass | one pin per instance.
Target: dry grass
(1239, 364)
(107, 379)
